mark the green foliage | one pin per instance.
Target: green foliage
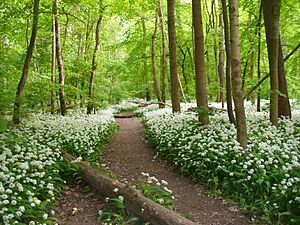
(116, 213)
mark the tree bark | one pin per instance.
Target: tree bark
(94, 67)
(163, 55)
(53, 67)
(30, 49)
(173, 57)
(258, 54)
(236, 74)
(228, 69)
(221, 63)
(271, 11)
(144, 56)
(63, 108)
(153, 60)
(201, 95)
(284, 107)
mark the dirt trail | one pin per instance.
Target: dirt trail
(128, 155)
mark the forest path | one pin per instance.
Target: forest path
(127, 154)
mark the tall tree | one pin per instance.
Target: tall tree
(228, 69)
(173, 57)
(30, 49)
(94, 64)
(221, 62)
(53, 66)
(236, 74)
(163, 54)
(271, 11)
(144, 56)
(153, 59)
(201, 95)
(60, 62)
(284, 107)
(258, 27)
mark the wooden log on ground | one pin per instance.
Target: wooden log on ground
(135, 202)
(125, 115)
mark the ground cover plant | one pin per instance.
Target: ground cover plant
(32, 170)
(124, 106)
(264, 178)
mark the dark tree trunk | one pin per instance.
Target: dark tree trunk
(284, 108)
(163, 55)
(271, 11)
(173, 57)
(63, 108)
(53, 67)
(144, 56)
(201, 95)
(228, 69)
(30, 49)
(153, 60)
(94, 67)
(236, 74)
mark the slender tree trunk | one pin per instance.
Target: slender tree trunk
(271, 11)
(236, 74)
(53, 67)
(155, 83)
(228, 69)
(60, 62)
(221, 63)
(30, 49)
(94, 67)
(201, 95)
(146, 77)
(258, 54)
(180, 88)
(163, 55)
(86, 50)
(173, 57)
(284, 108)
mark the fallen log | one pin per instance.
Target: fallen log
(135, 202)
(125, 115)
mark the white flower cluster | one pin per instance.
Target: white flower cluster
(270, 165)
(30, 158)
(124, 106)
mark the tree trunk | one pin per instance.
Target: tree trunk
(201, 95)
(236, 74)
(228, 69)
(173, 57)
(163, 55)
(53, 67)
(221, 63)
(258, 54)
(144, 56)
(63, 108)
(284, 108)
(94, 67)
(30, 49)
(155, 83)
(271, 11)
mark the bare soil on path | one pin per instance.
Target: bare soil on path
(127, 154)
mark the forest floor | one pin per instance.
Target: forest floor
(128, 155)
